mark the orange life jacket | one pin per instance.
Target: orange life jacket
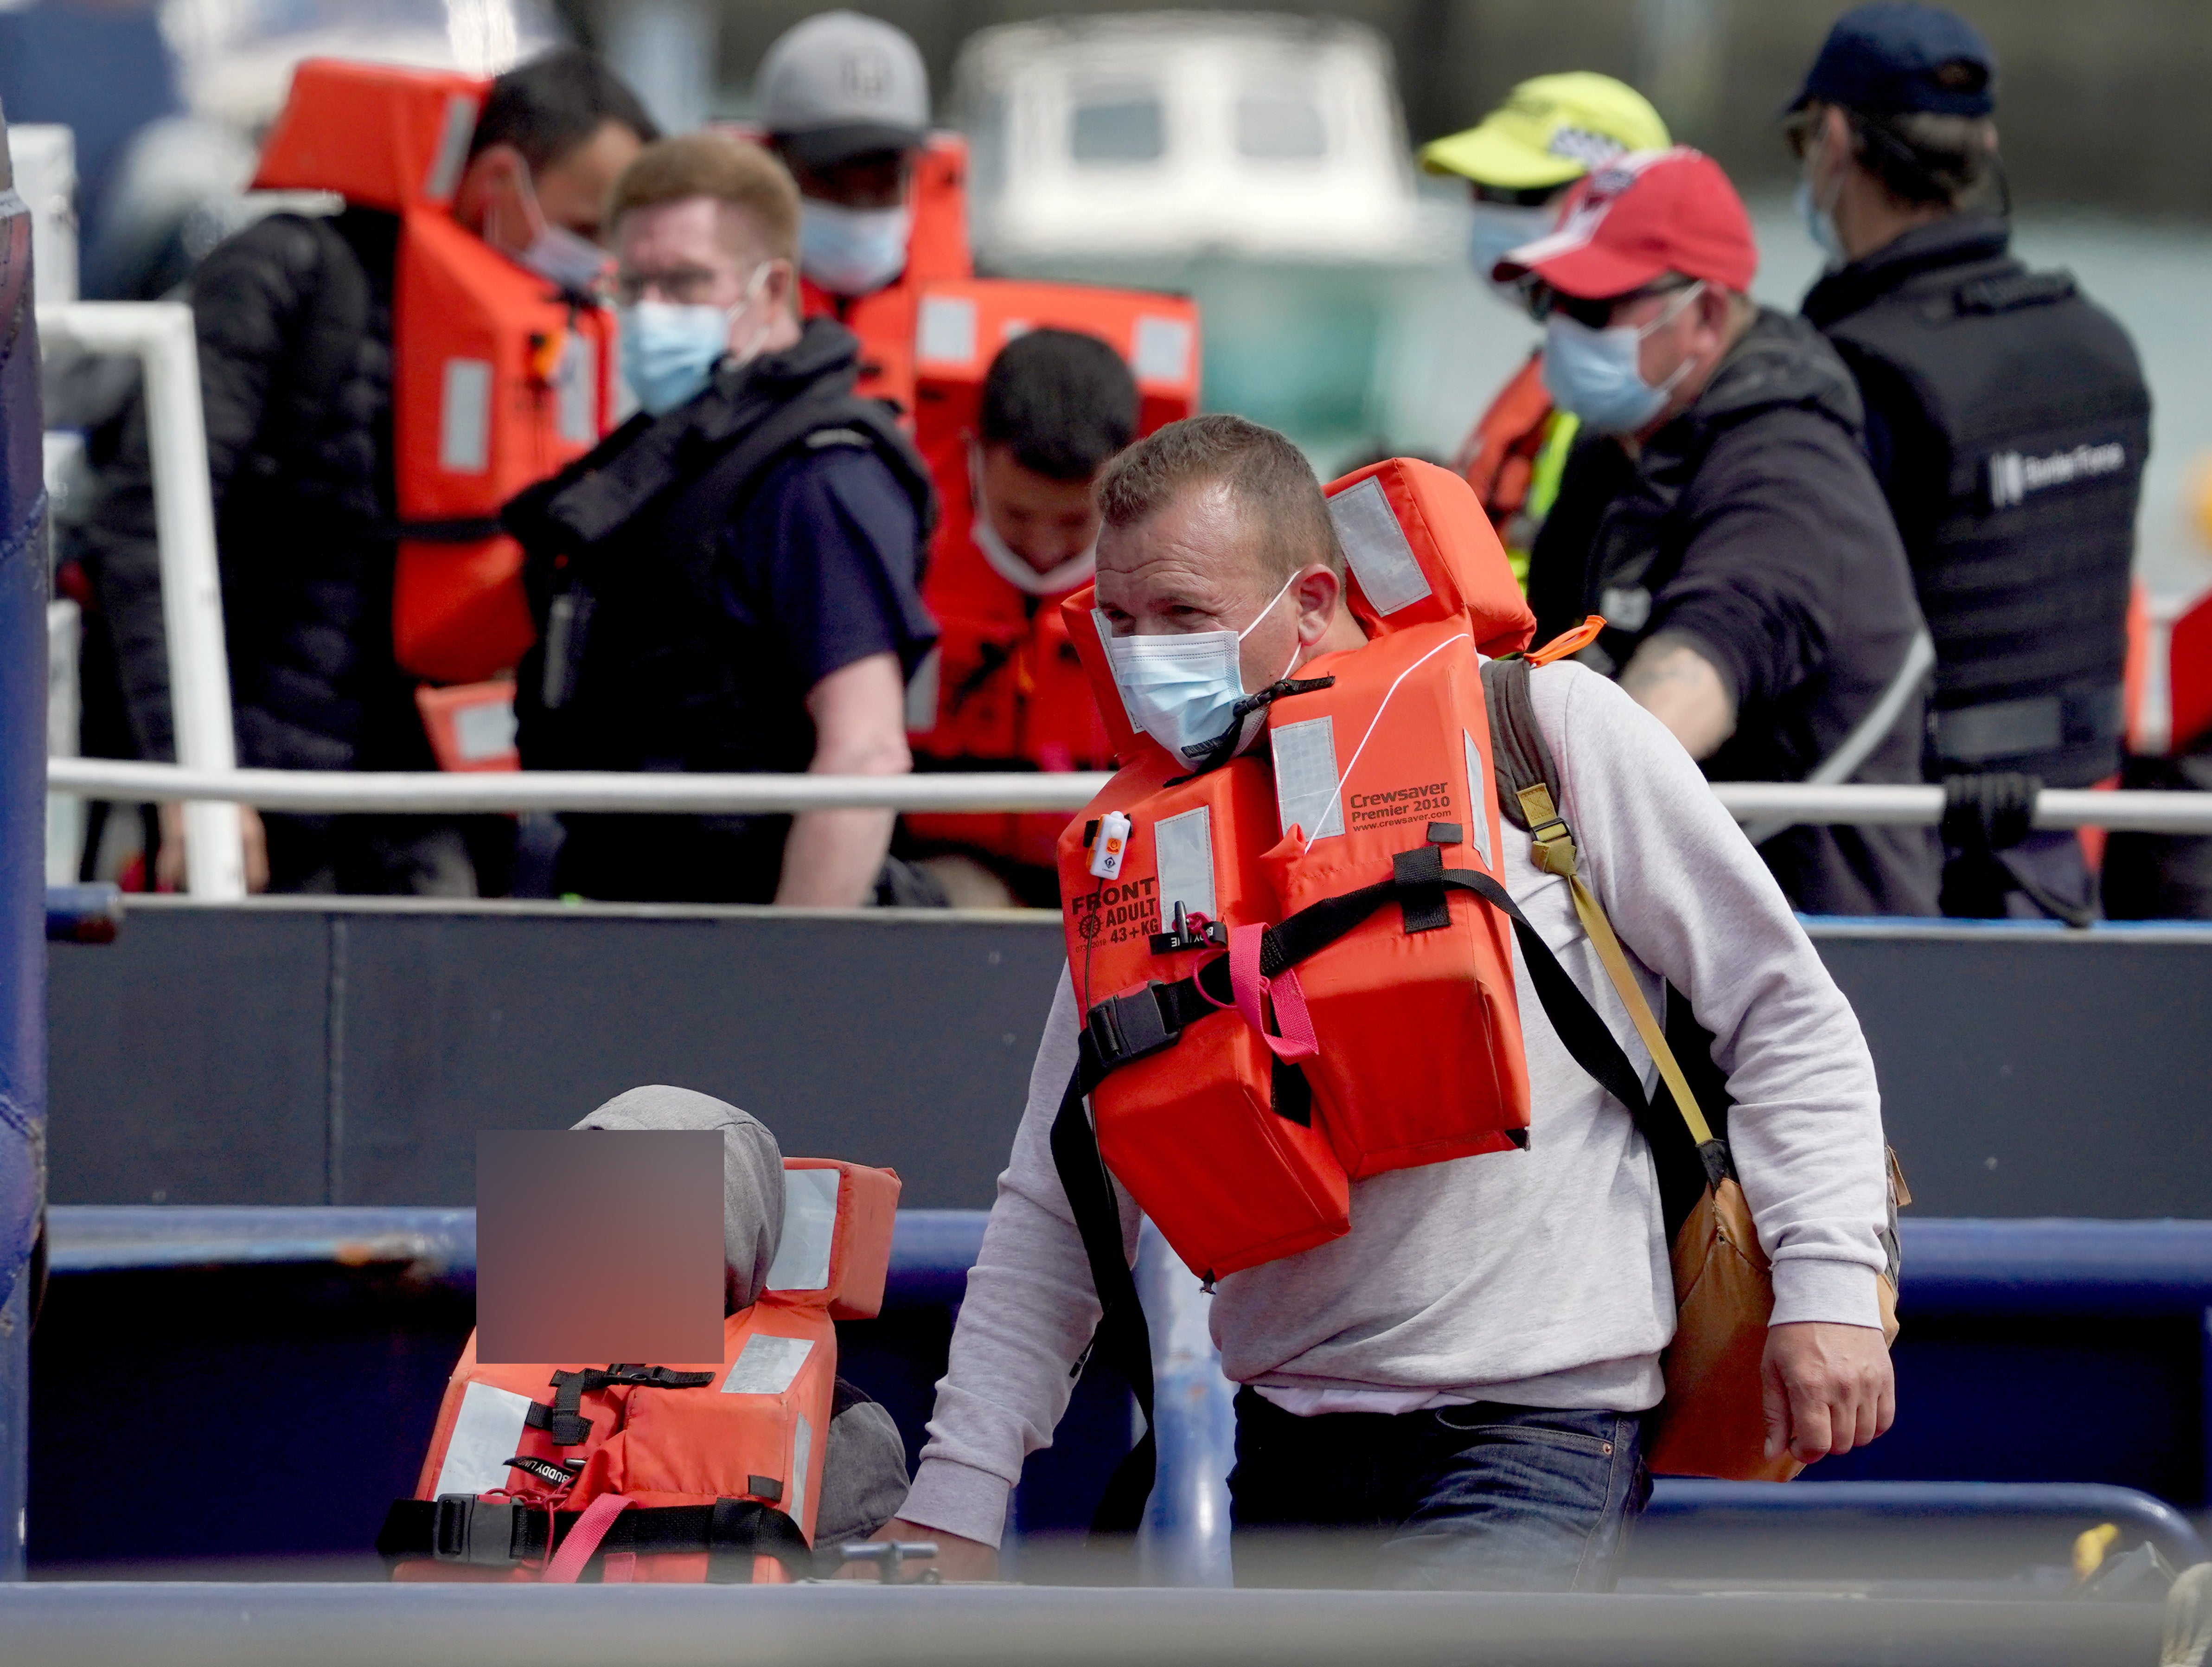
(1328, 879)
(936, 250)
(695, 1471)
(1009, 689)
(498, 379)
(1498, 456)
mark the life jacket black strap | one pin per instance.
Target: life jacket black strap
(461, 1528)
(564, 1422)
(456, 530)
(1223, 747)
(1122, 1340)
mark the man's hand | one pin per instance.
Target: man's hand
(169, 865)
(1827, 1388)
(956, 1558)
(1677, 685)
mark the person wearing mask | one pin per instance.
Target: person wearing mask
(1056, 406)
(298, 368)
(844, 102)
(1719, 512)
(1455, 1383)
(2008, 422)
(1519, 163)
(729, 581)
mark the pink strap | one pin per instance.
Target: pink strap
(567, 1564)
(620, 1568)
(1298, 1040)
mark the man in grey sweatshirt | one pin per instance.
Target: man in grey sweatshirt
(1459, 1379)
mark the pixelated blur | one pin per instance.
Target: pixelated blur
(598, 1245)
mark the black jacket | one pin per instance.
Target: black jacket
(2009, 424)
(1751, 526)
(294, 317)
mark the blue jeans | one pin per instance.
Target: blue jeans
(1480, 1498)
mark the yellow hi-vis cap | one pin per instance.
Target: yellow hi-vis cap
(1550, 130)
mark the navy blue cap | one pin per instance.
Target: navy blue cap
(1898, 55)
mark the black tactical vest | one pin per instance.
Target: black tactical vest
(639, 663)
(2022, 556)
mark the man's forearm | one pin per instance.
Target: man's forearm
(832, 858)
(1677, 685)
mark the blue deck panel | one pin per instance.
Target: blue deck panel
(2065, 1357)
(2054, 1266)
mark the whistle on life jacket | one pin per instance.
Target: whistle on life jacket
(543, 360)
(1364, 1019)
(1111, 845)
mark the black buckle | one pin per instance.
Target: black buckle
(1182, 934)
(1122, 1028)
(468, 1530)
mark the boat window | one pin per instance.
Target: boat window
(988, 139)
(1118, 127)
(1280, 125)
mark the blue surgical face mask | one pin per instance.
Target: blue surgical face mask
(1819, 224)
(1500, 228)
(668, 352)
(571, 262)
(1182, 690)
(1595, 374)
(850, 252)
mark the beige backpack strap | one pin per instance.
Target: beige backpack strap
(1555, 854)
(1524, 769)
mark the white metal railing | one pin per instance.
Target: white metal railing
(159, 335)
(1786, 802)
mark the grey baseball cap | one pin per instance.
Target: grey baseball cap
(840, 85)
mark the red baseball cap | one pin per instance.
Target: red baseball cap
(1638, 218)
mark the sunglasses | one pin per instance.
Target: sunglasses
(1544, 300)
(1506, 196)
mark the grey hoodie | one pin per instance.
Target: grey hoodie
(753, 1175)
(864, 1475)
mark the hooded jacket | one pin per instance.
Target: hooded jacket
(1751, 526)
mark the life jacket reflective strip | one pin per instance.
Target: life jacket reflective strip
(471, 725)
(1386, 766)
(936, 251)
(498, 381)
(1009, 688)
(750, 1430)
